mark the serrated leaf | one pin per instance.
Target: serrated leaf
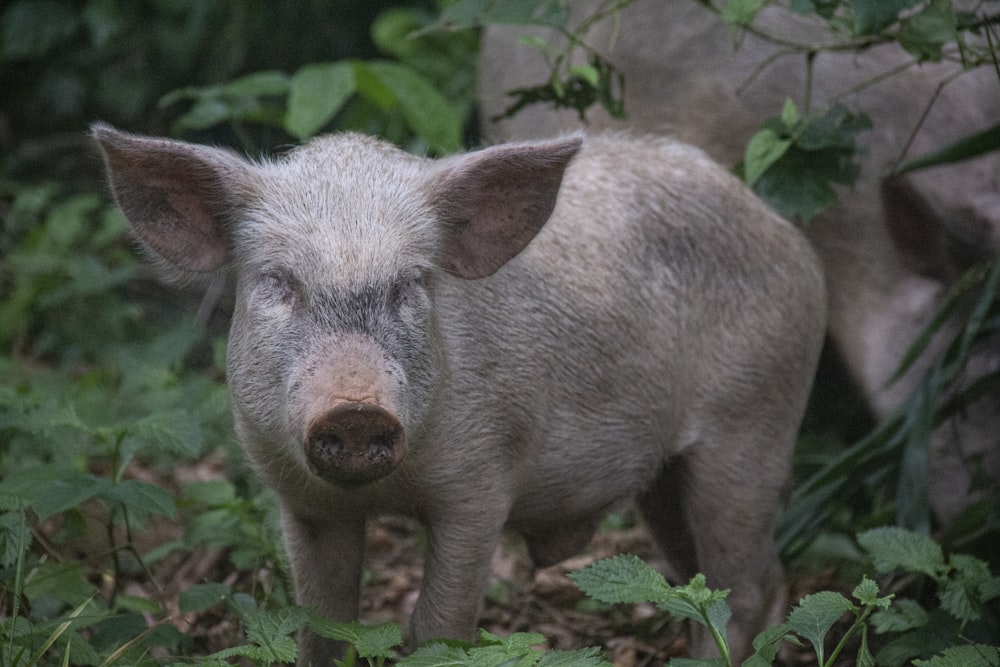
(436, 654)
(587, 657)
(63, 494)
(212, 493)
(905, 614)
(141, 499)
(266, 625)
(624, 578)
(515, 643)
(893, 548)
(816, 614)
(956, 600)
(377, 641)
(766, 646)
(719, 613)
(316, 93)
(865, 657)
(978, 655)
(168, 430)
(203, 596)
(66, 582)
(867, 594)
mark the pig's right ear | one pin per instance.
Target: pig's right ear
(177, 196)
(496, 200)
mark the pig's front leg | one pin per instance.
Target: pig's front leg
(326, 559)
(456, 573)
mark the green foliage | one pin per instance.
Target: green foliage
(571, 85)
(420, 100)
(517, 650)
(792, 162)
(963, 583)
(896, 450)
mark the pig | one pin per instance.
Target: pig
(891, 248)
(521, 336)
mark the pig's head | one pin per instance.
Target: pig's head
(334, 250)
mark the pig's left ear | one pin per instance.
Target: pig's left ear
(495, 200)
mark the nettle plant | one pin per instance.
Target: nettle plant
(964, 586)
(953, 633)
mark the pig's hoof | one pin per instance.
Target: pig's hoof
(355, 443)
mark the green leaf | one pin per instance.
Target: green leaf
(269, 83)
(377, 641)
(972, 146)
(588, 73)
(699, 603)
(63, 494)
(425, 110)
(766, 646)
(925, 34)
(816, 614)
(905, 614)
(741, 12)
(867, 594)
(203, 596)
(213, 493)
(66, 582)
(587, 657)
(865, 657)
(141, 499)
(794, 188)
(872, 16)
(316, 93)
(977, 655)
(764, 149)
(436, 654)
(517, 643)
(271, 629)
(789, 114)
(894, 548)
(624, 578)
(957, 601)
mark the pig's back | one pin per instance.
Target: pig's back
(659, 284)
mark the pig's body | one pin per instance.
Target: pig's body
(656, 339)
(885, 251)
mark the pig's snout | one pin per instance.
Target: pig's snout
(355, 443)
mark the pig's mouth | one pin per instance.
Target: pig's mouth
(354, 444)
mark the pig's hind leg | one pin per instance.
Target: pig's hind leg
(715, 515)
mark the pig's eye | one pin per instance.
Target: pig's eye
(280, 286)
(406, 292)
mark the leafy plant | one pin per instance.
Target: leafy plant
(420, 100)
(964, 584)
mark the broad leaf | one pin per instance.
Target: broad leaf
(895, 548)
(316, 94)
(624, 578)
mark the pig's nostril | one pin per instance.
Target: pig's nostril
(355, 443)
